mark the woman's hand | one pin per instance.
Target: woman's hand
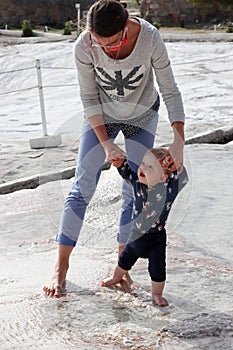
(176, 151)
(114, 154)
(177, 148)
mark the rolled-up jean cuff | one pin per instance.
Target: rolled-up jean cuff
(64, 240)
(122, 238)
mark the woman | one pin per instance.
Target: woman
(116, 58)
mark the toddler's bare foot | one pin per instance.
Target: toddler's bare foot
(107, 282)
(126, 283)
(110, 282)
(128, 278)
(159, 300)
(54, 287)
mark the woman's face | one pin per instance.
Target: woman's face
(111, 43)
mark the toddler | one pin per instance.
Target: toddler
(155, 189)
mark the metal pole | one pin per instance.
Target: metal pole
(41, 95)
(77, 6)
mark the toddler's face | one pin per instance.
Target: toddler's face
(150, 171)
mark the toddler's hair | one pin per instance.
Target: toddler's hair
(159, 153)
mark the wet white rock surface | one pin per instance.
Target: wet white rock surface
(200, 249)
(199, 270)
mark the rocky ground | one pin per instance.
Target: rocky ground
(88, 317)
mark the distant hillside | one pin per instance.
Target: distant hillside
(57, 12)
(43, 12)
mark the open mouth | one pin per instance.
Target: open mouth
(141, 174)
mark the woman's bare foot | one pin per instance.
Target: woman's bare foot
(159, 300)
(55, 286)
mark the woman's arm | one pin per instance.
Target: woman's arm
(172, 99)
(165, 78)
(177, 147)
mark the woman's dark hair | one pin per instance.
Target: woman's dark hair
(107, 17)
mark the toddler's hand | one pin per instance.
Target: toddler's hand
(114, 154)
(167, 162)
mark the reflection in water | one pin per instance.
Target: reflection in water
(120, 312)
(80, 319)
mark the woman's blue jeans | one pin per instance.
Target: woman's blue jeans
(91, 157)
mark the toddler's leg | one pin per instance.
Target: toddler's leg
(157, 293)
(117, 278)
(126, 278)
(157, 268)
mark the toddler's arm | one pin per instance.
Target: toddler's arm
(126, 172)
(183, 179)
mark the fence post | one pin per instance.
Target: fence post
(46, 141)
(41, 95)
(77, 6)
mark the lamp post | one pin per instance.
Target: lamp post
(77, 6)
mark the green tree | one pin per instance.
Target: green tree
(67, 28)
(229, 27)
(210, 3)
(27, 28)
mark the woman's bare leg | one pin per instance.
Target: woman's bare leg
(54, 287)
